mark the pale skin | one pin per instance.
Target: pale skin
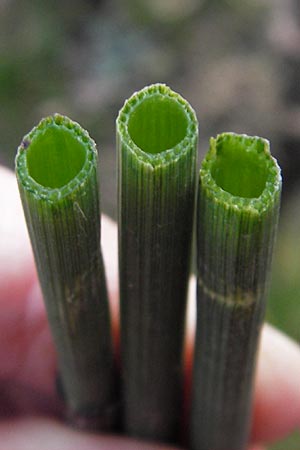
(29, 409)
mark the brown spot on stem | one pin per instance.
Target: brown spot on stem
(25, 144)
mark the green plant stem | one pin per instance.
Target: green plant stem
(56, 167)
(157, 149)
(238, 206)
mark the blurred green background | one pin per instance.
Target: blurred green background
(238, 63)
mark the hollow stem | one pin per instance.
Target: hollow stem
(56, 167)
(157, 149)
(238, 205)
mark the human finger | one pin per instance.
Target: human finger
(277, 387)
(49, 434)
(277, 399)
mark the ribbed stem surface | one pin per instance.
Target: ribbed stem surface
(157, 148)
(237, 216)
(56, 168)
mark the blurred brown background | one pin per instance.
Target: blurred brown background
(238, 63)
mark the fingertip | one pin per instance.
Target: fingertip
(109, 244)
(109, 241)
(17, 269)
(277, 392)
(37, 433)
(190, 326)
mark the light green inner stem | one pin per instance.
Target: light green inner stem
(158, 123)
(240, 169)
(55, 156)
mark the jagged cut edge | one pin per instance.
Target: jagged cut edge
(166, 156)
(257, 205)
(55, 194)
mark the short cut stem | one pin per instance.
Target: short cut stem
(238, 206)
(157, 150)
(56, 167)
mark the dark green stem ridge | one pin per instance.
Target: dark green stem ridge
(157, 134)
(238, 207)
(56, 168)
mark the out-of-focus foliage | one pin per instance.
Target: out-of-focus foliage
(284, 304)
(290, 443)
